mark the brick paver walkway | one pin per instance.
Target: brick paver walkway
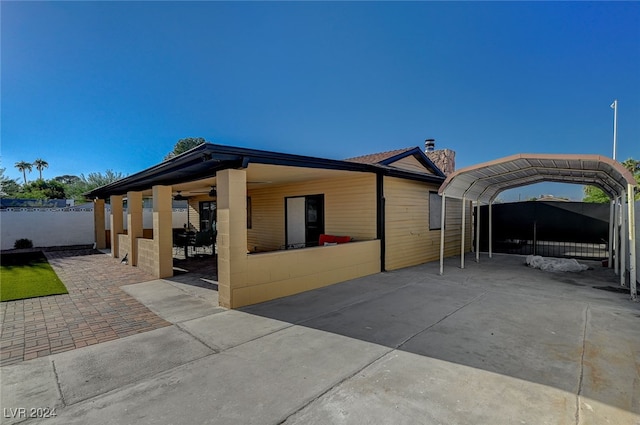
(95, 309)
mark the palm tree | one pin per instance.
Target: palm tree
(24, 167)
(40, 164)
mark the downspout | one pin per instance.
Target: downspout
(381, 221)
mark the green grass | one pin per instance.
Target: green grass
(28, 275)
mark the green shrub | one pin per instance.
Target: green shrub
(23, 243)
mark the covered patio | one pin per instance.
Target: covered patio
(262, 207)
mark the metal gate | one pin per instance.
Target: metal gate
(550, 229)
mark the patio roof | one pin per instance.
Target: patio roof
(204, 161)
(483, 182)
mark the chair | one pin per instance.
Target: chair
(202, 240)
(179, 241)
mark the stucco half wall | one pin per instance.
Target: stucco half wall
(278, 274)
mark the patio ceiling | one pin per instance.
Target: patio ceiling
(483, 182)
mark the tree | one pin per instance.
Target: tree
(184, 145)
(24, 167)
(8, 187)
(67, 179)
(594, 194)
(83, 184)
(40, 165)
(41, 189)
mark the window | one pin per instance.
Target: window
(435, 211)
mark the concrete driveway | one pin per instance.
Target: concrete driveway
(495, 343)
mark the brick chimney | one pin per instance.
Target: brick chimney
(444, 159)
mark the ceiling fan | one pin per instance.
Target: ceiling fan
(212, 193)
(180, 197)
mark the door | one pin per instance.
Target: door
(304, 220)
(208, 216)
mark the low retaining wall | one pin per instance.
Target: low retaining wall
(278, 274)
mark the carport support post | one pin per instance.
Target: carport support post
(117, 223)
(477, 231)
(623, 241)
(632, 243)
(616, 252)
(611, 218)
(98, 224)
(134, 224)
(464, 219)
(442, 236)
(490, 231)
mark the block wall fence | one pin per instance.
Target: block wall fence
(48, 227)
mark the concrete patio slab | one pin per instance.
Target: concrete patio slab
(541, 343)
(392, 319)
(174, 303)
(405, 388)
(231, 328)
(28, 385)
(260, 382)
(94, 370)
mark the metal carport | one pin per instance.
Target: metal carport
(483, 182)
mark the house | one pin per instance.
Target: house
(272, 213)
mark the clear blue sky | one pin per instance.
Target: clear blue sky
(90, 86)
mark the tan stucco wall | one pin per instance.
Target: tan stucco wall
(278, 274)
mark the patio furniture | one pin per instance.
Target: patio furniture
(202, 240)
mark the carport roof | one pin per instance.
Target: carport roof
(483, 182)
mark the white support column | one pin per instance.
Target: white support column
(611, 218)
(442, 236)
(623, 240)
(490, 231)
(462, 239)
(477, 231)
(616, 230)
(632, 243)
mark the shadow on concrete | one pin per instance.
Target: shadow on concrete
(554, 329)
(200, 271)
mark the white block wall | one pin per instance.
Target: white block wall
(46, 226)
(59, 227)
